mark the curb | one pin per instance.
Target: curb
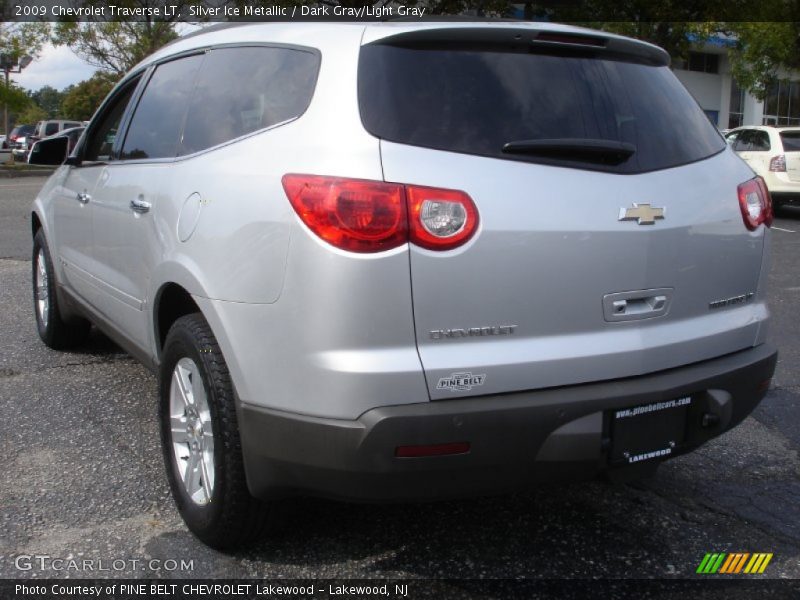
(25, 172)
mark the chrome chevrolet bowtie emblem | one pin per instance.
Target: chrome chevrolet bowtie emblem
(644, 214)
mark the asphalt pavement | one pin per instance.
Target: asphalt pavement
(82, 477)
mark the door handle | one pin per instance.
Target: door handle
(83, 198)
(140, 206)
(637, 304)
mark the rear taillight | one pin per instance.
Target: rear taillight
(351, 214)
(371, 216)
(755, 202)
(778, 164)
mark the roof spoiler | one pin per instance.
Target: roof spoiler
(534, 40)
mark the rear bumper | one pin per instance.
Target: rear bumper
(781, 198)
(515, 439)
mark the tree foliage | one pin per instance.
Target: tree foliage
(83, 99)
(13, 97)
(18, 39)
(114, 46)
(763, 53)
(117, 46)
(32, 114)
(49, 100)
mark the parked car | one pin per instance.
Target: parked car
(401, 261)
(50, 128)
(70, 135)
(774, 154)
(17, 139)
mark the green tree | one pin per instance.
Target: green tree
(17, 40)
(83, 99)
(762, 52)
(14, 97)
(117, 46)
(31, 114)
(49, 100)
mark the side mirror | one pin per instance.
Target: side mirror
(51, 151)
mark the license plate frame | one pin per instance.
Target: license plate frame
(647, 432)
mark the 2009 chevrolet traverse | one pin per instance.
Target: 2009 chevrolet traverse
(399, 261)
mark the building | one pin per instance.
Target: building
(707, 75)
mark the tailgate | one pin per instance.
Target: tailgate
(530, 302)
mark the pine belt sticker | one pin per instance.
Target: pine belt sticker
(460, 382)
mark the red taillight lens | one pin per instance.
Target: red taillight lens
(351, 214)
(371, 216)
(755, 203)
(778, 164)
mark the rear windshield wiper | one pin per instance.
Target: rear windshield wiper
(578, 149)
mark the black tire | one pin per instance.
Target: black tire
(56, 331)
(231, 517)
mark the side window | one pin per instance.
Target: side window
(761, 141)
(242, 90)
(158, 119)
(101, 137)
(50, 129)
(744, 141)
(731, 138)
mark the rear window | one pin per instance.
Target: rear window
(791, 141)
(474, 100)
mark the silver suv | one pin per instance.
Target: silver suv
(402, 261)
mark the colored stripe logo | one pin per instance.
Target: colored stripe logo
(734, 563)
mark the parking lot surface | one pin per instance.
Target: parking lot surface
(82, 477)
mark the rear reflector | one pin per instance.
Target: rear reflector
(755, 203)
(372, 216)
(431, 450)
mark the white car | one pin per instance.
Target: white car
(773, 153)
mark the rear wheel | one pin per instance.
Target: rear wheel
(56, 331)
(200, 439)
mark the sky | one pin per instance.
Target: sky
(57, 67)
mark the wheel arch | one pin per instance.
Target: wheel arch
(36, 224)
(172, 301)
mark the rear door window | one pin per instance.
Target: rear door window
(744, 141)
(156, 125)
(246, 89)
(475, 99)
